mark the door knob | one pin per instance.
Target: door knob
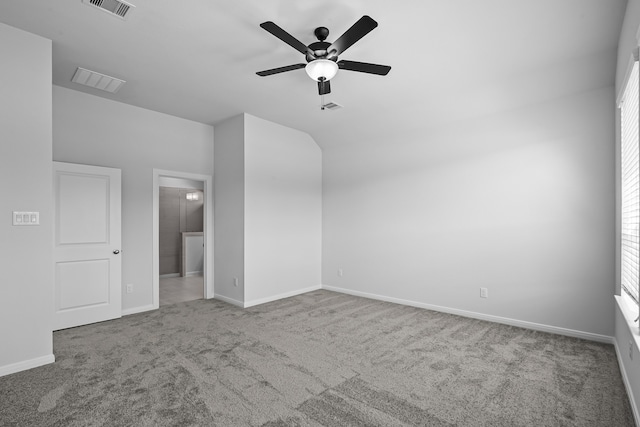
(117, 251)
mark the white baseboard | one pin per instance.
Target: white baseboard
(229, 300)
(169, 275)
(627, 384)
(136, 310)
(193, 273)
(248, 304)
(26, 364)
(497, 319)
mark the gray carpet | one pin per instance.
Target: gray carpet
(316, 359)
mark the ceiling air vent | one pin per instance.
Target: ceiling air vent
(114, 7)
(331, 106)
(97, 80)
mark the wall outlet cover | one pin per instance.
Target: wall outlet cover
(26, 218)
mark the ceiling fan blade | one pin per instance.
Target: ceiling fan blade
(364, 67)
(357, 31)
(287, 38)
(324, 87)
(280, 70)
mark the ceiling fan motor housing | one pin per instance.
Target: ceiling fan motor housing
(320, 51)
(320, 47)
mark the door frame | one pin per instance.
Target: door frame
(208, 275)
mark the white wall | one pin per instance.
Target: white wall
(92, 130)
(628, 39)
(626, 331)
(228, 181)
(26, 292)
(520, 202)
(268, 209)
(283, 210)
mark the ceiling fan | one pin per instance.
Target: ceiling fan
(322, 56)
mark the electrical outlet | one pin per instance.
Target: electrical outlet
(484, 293)
(631, 349)
(130, 288)
(235, 281)
(339, 272)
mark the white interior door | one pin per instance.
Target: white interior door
(86, 244)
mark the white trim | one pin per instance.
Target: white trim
(26, 364)
(169, 275)
(194, 273)
(281, 296)
(229, 300)
(488, 317)
(141, 309)
(633, 58)
(629, 310)
(208, 230)
(629, 317)
(627, 384)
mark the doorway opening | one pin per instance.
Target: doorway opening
(182, 236)
(181, 232)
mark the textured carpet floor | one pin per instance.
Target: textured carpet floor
(316, 359)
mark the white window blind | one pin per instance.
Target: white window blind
(630, 188)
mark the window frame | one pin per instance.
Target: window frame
(630, 294)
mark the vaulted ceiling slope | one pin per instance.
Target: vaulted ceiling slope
(451, 60)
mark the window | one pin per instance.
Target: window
(630, 186)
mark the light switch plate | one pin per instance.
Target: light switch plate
(26, 218)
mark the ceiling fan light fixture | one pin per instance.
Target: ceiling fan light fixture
(321, 69)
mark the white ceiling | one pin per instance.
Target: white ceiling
(450, 59)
